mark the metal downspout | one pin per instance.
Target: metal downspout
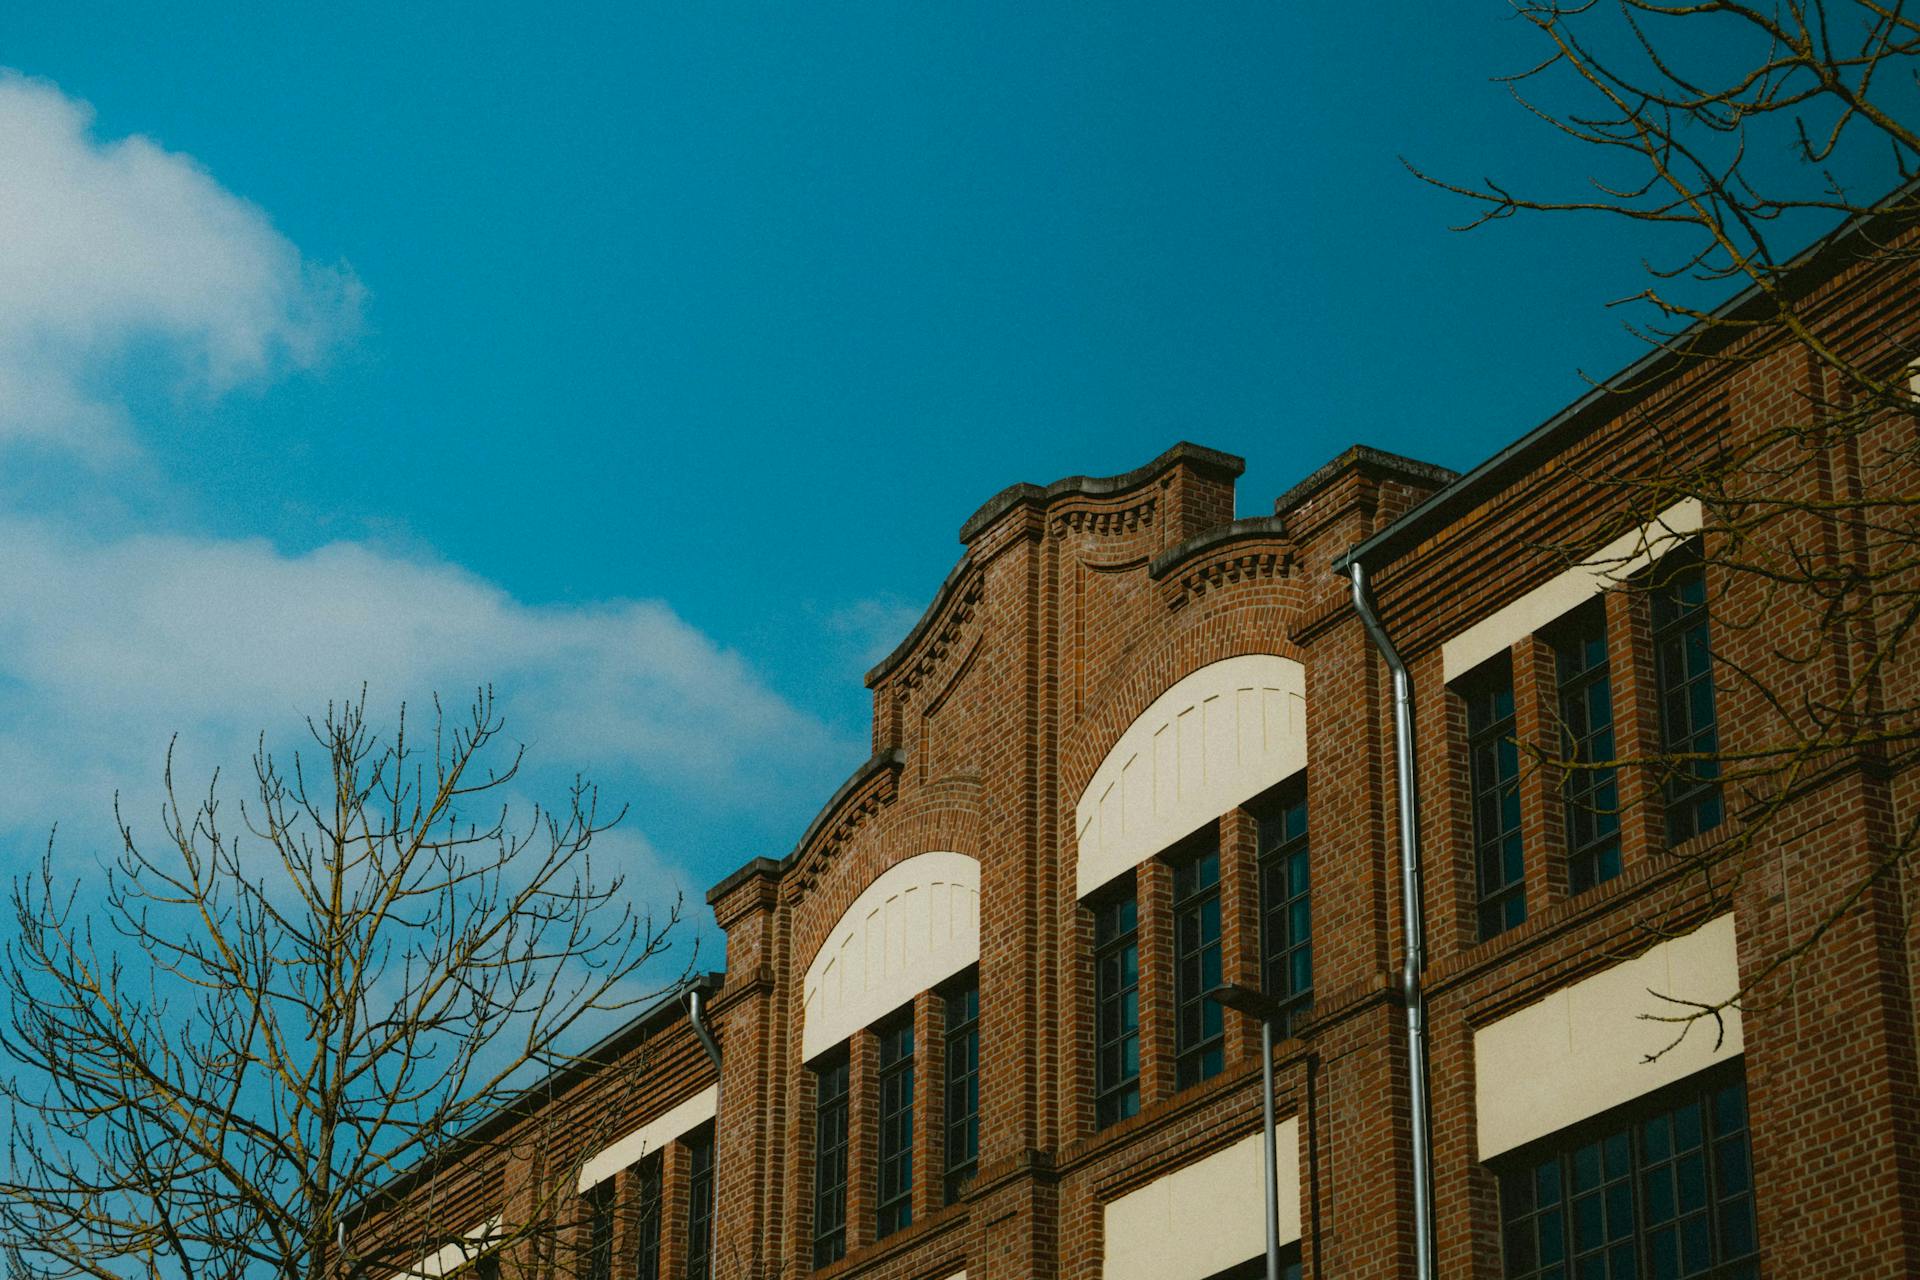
(1414, 961)
(696, 1007)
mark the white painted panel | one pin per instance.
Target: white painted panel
(1206, 1216)
(895, 941)
(1608, 567)
(1583, 1049)
(651, 1136)
(452, 1257)
(1217, 738)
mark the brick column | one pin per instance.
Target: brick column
(675, 1173)
(800, 1226)
(929, 1103)
(1536, 725)
(863, 1137)
(1153, 881)
(1240, 925)
(1636, 724)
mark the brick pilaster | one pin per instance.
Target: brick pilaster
(863, 1137)
(1153, 881)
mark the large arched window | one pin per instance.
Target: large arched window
(1221, 739)
(868, 996)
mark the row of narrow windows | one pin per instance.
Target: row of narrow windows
(893, 1120)
(1286, 945)
(650, 1199)
(1590, 792)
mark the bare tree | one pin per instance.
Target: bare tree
(1733, 133)
(249, 1027)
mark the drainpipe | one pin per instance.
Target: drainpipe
(1415, 958)
(696, 1004)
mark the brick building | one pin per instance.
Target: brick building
(1136, 747)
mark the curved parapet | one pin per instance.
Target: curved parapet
(1220, 736)
(915, 926)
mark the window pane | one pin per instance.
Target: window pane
(1494, 769)
(831, 1080)
(1116, 975)
(1646, 1198)
(1286, 916)
(963, 1086)
(1199, 1045)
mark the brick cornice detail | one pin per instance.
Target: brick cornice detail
(874, 790)
(1241, 564)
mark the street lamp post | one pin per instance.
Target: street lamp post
(1256, 1004)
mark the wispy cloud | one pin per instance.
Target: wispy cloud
(109, 647)
(875, 626)
(115, 248)
(118, 258)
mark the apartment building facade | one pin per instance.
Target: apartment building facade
(1136, 748)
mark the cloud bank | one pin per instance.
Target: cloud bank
(116, 249)
(109, 647)
(119, 259)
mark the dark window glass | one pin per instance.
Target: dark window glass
(488, 1268)
(1199, 1033)
(1286, 924)
(896, 1126)
(600, 1231)
(963, 1085)
(700, 1203)
(1256, 1268)
(830, 1081)
(1116, 983)
(1586, 742)
(1683, 676)
(1659, 1189)
(1494, 771)
(647, 1220)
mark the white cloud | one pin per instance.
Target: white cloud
(108, 247)
(115, 252)
(874, 626)
(107, 647)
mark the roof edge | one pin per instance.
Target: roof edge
(1645, 376)
(1232, 531)
(1099, 486)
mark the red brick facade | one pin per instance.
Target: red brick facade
(1071, 610)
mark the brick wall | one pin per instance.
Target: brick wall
(1075, 606)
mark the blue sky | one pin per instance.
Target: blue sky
(645, 359)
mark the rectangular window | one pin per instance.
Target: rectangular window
(963, 1085)
(1494, 772)
(896, 1126)
(700, 1203)
(1199, 1031)
(1683, 676)
(1586, 742)
(1286, 919)
(830, 1081)
(1660, 1189)
(647, 1219)
(600, 1231)
(1116, 991)
(1256, 1268)
(488, 1268)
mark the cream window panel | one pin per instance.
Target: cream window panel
(1206, 1216)
(1607, 567)
(915, 926)
(651, 1136)
(1216, 739)
(1583, 1050)
(451, 1258)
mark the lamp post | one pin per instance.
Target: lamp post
(1257, 1004)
